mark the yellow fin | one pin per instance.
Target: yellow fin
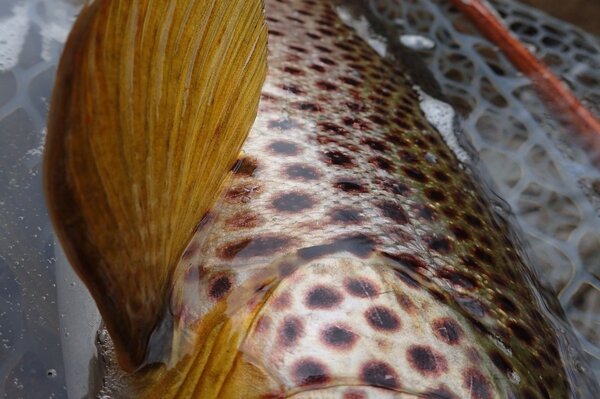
(152, 103)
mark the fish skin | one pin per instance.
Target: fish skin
(351, 253)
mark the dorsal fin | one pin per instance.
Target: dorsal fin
(152, 103)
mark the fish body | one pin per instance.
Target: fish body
(351, 250)
(349, 254)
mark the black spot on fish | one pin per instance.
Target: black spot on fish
(300, 171)
(521, 332)
(350, 185)
(426, 361)
(382, 318)
(393, 211)
(291, 331)
(359, 244)
(284, 148)
(338, 158)
(415, 174)
(361, 288)
(338, 337)
(252, 247)
(310, 372)
(447, 330)
(323, 297)
(477, 384)
(500, 361)
(379, 374)
(346, 215)
(435, 195)
(219, 287)
(292, 202)
(439, 244)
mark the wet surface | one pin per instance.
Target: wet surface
(31, 325)
(547, 180)
(536, 165)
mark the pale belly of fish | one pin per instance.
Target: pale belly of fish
(352, 254)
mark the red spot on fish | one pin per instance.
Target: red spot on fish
(245, 166)
(282, 301)
(355, 394)
(243, 220)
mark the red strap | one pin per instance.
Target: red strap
(550, 88)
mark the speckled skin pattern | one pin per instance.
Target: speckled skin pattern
(364, 252)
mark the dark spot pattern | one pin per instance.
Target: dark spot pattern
(339, 337)
(379, 374)
(521, 332)
(245, 167)
(253, 247)
(284, 148)
(382, 319)
(291, 331)
(477, 384)
(448, 330)
(358, 244)
(439, 244)
(361, 288)
(500, 361)
(299, 171)
(339, 158)
(393, 211)
(323, 297)
(219, 287)
(293, 202)
(425, 361)
(310, 372)
(350, 186)
(346, 215)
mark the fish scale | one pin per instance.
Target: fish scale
(342, 177)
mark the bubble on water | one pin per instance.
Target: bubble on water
(12, 33)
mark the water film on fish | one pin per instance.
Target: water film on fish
(49, 327)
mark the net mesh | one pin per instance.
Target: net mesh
(536, 166)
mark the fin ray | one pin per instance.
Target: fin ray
(141, 135)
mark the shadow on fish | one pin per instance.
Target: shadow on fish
(308, 230)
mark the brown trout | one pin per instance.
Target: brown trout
(349, 253)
